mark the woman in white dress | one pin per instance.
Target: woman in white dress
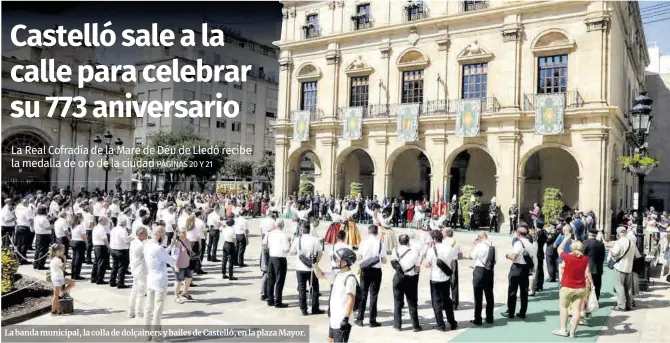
(419, 214)
(387, 233)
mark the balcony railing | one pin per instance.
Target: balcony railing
(430, 108)
(467, 6)
(358, 23)
(415, 11)
(315, 115)
(572, 100)
(309, 31)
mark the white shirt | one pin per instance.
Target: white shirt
(241, 226)
(266, 225)
(156, 257)
(54, 209)
(99, 235)
(55, 267)
(228, 234)
(129, 223)
(119, 239)
(339, 295)
(88, 219)
(369, 248)
(136, 224)
(277, 243)
(308, 245)
(137, 264)
(445, 253)
(407, 262)
(625, 265)
(113, 211)
(201, 227)
(98, 209)
(450, 241)
(181, 223)
(60, 227)
(213, 219)
(170, 221)
(23, 215)
(519, 246)
(7, 218)
(336, 247)
(77, 232)
(480, 253)
(41, 225)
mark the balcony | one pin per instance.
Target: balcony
(430, 108)
(415, 10)
(468, 6)
(310, 31)
(315, 115)
(361, 22)
(572, 100)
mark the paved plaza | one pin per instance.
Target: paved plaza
(219, 301)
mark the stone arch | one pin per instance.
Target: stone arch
(413, 180)
(475, 165)
(552, 40)
(355, 164)
(26, 178)
(412, 58)
(308, 72)
(303, 161)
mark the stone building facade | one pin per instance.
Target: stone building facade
(380, 54)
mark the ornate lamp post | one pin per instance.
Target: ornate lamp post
(640, 120)
(109, 152)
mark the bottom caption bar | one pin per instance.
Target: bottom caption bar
(140, 333)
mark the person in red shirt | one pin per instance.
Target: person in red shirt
(574, 287)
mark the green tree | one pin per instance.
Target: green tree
(464, 202)
(175, 163)
(306, 187)
(238, 170)
(552, 204)
(265, 167)
(356, 188)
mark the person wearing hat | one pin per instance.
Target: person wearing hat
(623, 253)
(513, 216)
(494, 209)
(453, 211)
(474, 210)
(342, 294)
(595, 250)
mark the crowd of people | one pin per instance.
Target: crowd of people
(147, 235)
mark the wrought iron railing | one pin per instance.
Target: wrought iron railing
(415, 11)
(468, 6)
(572, 100)
(309, 32)
(358, 23)
(429, 108)
(315, 115)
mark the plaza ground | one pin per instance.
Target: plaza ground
(222, 302)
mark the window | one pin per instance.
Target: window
(221, 124)
(237, 126)
(474, 5)
(308, 98)
(358, 95)
(362, 17)
(474, 80)
(166, 94)
(552, 74)
(311, 26)
(251, 107)
(189, 95)
(138, 142)
(270, 115)
(412, 86)
(415, 11)
(237, 85)
(217, 59)
(251, 128)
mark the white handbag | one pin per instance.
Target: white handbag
(592, 303)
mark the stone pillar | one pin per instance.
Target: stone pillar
(380, 176)
(508, 158)
(331, 96)
(384, 74)
(592, 180)
(325, 149)
(511, 34)
(443, 43)
(281, 168)
(598, 39)
(436, 153)
(284, 93)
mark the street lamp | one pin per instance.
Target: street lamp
(109, 152)
(640, 120)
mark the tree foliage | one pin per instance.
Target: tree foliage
(464, 201)
(238, 170)
(10, 265)
(356, 188)
(552, 204)
(265, 167)
(306, 187)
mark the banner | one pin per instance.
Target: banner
(352, 127)
(301, 125)
(468, 112)
(549, 113)
(408, 122)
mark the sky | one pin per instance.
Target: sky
(656, 22)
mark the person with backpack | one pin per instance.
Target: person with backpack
(373, 253)
(522, 262)
(344, 294)
(304, 247)
(484, 259)
(438, 258)
(406, 263)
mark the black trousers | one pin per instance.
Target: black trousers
(493, 224)
(169, 236)
(371, 281)
(78, 252)
(197, 251)
(339, 335)
(303, 279)
(22, 241)
(66, 244)
(552, 265)
(439, 294)
(539, 273)
(7, 235)
(597, 283)
(228, 258)
(42, 243)
(240, 247)
(212, 244)
(513, 224)
(203, 247)
(89, 247)
(114, 220)
(482, 283)
(454, 286)
(100, 264)
(276, 279)
(31, 238)
(120, 262)
(405, 287)
(518, 281)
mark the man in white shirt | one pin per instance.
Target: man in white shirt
(157, 258)
(266, 225)
(127, 215)
(120, 245)
(482, 278)
(62, 232)
(138, 267)
(305, 247)
(78, 248)
(113, 211)
(518, 274)
(101, 249)
(448, 239)
(24, 218)
(623, 253)
(90, 222)
(406, 263)
(139, 221)
(371, 248)
(201, 226)
(440, 282)
(7, 222)
(242, 238)
(229, 256)
(213, 220)
(278, 245)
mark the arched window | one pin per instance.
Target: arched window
(22, 141)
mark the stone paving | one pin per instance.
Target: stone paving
(219, 301)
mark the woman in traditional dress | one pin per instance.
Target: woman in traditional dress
(410, 212)
(334, 228)
(387, 233)
(418, 214)
(353, 234)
